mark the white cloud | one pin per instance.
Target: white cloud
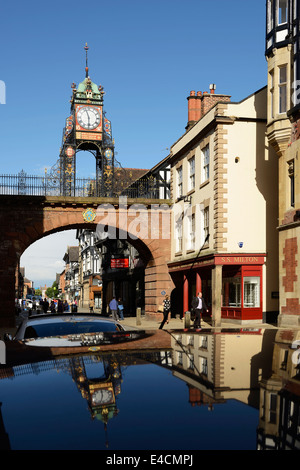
(44, 258)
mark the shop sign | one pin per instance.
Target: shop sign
(240, 260)
(117, 263)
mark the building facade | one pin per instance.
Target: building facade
(71, 273)
(90, 269)
(282, 53)
(225, 209)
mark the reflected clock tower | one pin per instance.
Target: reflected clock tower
(87, 129)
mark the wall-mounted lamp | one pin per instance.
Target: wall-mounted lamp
(185, 199)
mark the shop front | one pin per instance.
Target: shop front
(232, 285)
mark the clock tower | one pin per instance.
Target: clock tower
(87, 129)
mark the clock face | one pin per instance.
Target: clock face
(101, 397)
(88, 117)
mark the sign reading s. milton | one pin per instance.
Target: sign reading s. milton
(240, 259)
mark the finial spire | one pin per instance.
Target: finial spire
(86, 48)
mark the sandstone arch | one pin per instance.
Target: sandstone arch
(26, 219)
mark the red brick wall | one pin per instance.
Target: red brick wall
(292, 307)
(290, 263)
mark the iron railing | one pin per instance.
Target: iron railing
(23, 184)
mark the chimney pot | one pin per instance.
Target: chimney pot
(212, 88)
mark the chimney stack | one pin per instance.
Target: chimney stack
(200, 103)
(194, 106)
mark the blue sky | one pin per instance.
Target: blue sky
(148, 56)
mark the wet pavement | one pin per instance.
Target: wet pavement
(147, 324)
(177, 323)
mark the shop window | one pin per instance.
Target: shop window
(232, 292)
(251, 292)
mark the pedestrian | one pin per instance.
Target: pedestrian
(66, 306)
(167, 308)
(91, 306)
(121, 309)
(45, 305)
(60, 306)
(198, 306)
(34, 306)
(113, 305)
(52, 306)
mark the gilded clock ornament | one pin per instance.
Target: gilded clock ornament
(108, 154)
(89, 215)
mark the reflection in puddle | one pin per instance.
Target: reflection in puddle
(213, 390)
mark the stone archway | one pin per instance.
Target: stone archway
(26, 219)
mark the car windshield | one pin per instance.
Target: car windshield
(43, 330)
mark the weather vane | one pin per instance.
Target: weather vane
(86, 48)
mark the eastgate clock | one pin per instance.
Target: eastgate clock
(88, 117)
(101, 397)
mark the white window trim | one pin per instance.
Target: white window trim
(205, 164)
(191, 173)
(179, 186)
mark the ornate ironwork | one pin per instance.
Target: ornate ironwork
(23, 184)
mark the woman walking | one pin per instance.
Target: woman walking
(167, 308)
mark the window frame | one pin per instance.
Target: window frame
(179, 174)
(205, 160)
(282, 89)
(192, 178)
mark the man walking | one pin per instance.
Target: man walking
(113, 305)
(199, 306)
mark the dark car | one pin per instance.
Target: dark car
(69, 330)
